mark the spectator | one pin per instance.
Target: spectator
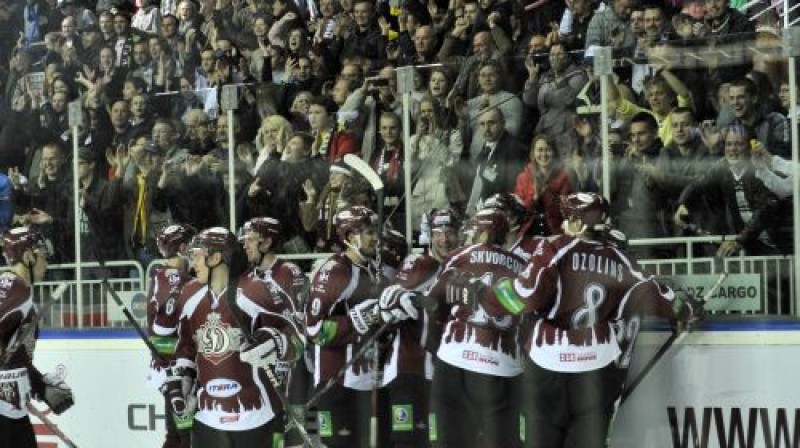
(770, 128)
(541, 184)
(51, 202)
(388, 162)
(681, 162)
(554, 93)
(142, 202)
(638, 207)
(745, 207)
(580, 13)
(664, 92)
(498, 161)
(272, 138)
(492, 95)
(610, 27)
(329, 144)
(101, 222)
(436, 147)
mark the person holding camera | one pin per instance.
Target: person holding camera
(635, 194)
(435, 148)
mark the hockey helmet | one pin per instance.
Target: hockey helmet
(213, 240)
(170, 238)
(494, 222)
(590, 208)
(444, 218)
(19, 239)
(509, 203)
(265, 227)
(395, 248)
(354, 219)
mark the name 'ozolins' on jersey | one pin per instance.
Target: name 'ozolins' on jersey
(585, 299)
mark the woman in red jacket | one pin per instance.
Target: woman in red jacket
(541, 184)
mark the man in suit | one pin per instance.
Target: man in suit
(498, 162)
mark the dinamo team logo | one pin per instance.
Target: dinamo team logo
(217, 340)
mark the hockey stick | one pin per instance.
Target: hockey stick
(230, 298)
(675, 337)
(129, 317)
(357, 164)
(355, 358)
(50, 425)
(12, 348)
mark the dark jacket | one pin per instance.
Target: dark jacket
(718, 186)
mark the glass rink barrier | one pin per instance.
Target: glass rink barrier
(397, 223)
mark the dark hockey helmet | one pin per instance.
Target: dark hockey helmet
(509, 203)
(442, 218)
(590, 208)
(354, 219)
(170, 238)
(395, 248)
(265, 227)
(494, 222)
(213, 240)
(19, 239)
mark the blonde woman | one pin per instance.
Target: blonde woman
(272, 137)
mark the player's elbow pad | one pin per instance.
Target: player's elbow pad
(326, 333)
(508, 297)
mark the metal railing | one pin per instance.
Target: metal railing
(94, 307)
(776, 276)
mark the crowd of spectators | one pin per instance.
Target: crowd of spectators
(504, 99)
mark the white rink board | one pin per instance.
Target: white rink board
(753, 374)
(114, 407)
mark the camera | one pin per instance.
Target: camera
(380, 82)
(618, 149)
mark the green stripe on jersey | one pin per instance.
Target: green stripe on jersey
(511, 301)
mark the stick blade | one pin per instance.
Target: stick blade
(360, 166)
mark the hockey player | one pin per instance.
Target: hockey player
(342, 312)
(518, 240)
(259, 238)
(583, 297)
(475, 375)
(216, 373)
(163, 311)
(409, 368)
(26, 254)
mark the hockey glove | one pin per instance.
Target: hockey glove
(364, 315)
(56, 394)
(397, 304)
(179, 392)
(465, 289)
(266, 350)
(687, 311)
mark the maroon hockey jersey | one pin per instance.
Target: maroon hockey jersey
(338, 285)
(231, 394)
(472, 339)
(584, 299)
(163, 307)
(407, 354)
(17, 340)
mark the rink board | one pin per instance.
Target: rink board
(731, 385)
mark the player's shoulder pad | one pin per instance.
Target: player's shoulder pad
(8, 282)
(261, 290)
(291, 272)
(191, 288)
(416, 270)
(333, 265)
